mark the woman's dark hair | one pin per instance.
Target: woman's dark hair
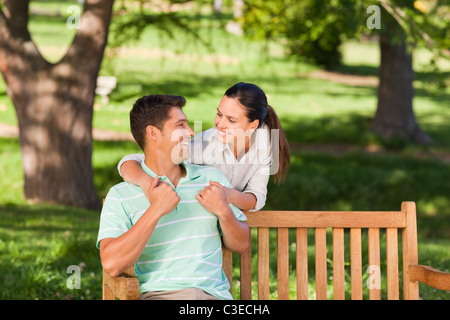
(152, 110)
(255, 102)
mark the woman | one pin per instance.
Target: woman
(247, 144)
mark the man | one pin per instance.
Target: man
(174, 239)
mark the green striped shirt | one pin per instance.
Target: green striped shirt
(185, 249)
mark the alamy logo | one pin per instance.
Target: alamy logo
(374, 279)
(74, 281)
(73, 22)
(262, 141)
(374, 21)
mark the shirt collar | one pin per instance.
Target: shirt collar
(191, 171)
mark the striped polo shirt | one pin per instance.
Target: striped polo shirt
(185, 249)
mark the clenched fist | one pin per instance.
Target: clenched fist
(163, 196)
(214, 198)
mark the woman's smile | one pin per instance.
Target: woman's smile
(222, 133)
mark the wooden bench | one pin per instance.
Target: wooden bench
(323, 223)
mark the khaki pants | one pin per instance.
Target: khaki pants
(184, 294)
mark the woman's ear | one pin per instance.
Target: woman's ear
(254, 125)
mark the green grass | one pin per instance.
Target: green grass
(39, 242)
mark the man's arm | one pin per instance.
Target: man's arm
(236, 234)
(118, 254)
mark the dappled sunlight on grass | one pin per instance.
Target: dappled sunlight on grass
(37, 245)
(337, 163)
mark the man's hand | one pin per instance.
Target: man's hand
(163, 198)
(214, 198)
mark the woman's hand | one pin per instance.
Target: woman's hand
(229, 193)
(242, 200)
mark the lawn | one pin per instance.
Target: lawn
(38, 243)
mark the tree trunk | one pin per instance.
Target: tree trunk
(54, 104)
(394, 117)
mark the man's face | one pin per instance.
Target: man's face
(175, 136)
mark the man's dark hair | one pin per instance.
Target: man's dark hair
(152, 110)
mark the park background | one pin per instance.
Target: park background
(337, 162)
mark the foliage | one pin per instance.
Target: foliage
(425, 23)
(422, 24)
(39, 242)
(315, 29)
(131, 18)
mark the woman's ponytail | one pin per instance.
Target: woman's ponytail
(284, 156)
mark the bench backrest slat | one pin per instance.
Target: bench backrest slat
(326, 219)
(358, 222)
(338, 264)
(356, 263)
(246, 275)
(302, 263)
(263, 263)
(392, 263)
(374, 262)
(283, 263)
(321, 263)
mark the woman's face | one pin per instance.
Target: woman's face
(231, 121)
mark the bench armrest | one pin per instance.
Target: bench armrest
(123, 287)
(430, 276)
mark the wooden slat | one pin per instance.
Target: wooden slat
(338, 264)
(392, 264)
(374, 281)
(129, 288)
(409, 250)
(302, 263)
(246, 274)
(326, 219)
(129, 272)
(124, 287)
(321, 264)
(356, 263)
(283, 263)
(107, 292)
(263, 263)
(227, 266)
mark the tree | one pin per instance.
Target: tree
(394, 117)
(54, 103)
(314, 30)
